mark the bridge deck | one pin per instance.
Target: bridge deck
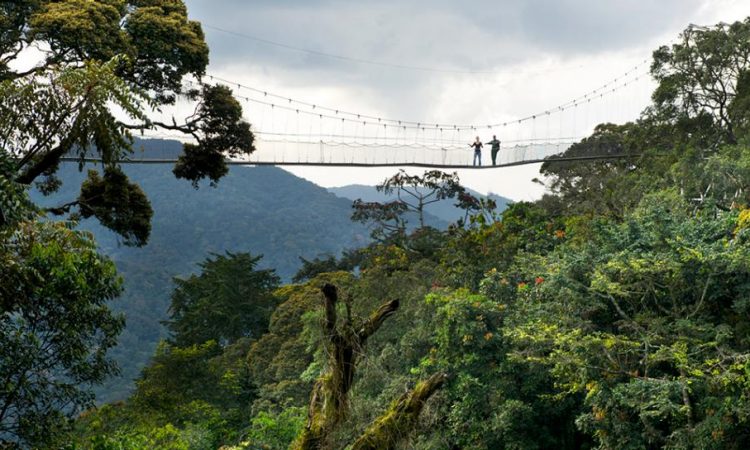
(354, 164)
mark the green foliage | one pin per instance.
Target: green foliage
(699, 76)
(387, 432)
(101, 57)
(416, 192)
(386, 218)
(279, 358)
(609, 186)
(14, 201)
(88, 30)
(41, 121)
(490, 401)
(193, 397)
(718, 181)
(197, 393)
(38, 123)
(167, 437)
(274, 431)
(413, 194)
(55, 328)
(524, 227)
(118, 204)
(167, 46)
(647, 310)
(318, 265)
(163, 44)
(230, 299)
(176, 378)
(224, 133)
(349, 260)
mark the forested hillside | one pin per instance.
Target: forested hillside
(256, 210)
(612, 313)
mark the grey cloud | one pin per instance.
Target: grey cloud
(473, 35)
(468, 35)
(591, 25)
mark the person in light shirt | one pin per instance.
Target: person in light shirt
(477, 161)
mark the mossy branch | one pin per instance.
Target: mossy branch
(376, 320)
(400, 418)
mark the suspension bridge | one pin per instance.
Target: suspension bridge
(295, 132)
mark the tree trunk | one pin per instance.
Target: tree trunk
(329, 399)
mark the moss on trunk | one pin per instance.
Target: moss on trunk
(329, 399)
(400, 418)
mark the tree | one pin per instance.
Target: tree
(176, 378)
(327, 263)
(472, 252)
(101, 57)
(607, 186)
(417, 192)
(329, 402)
(55, 328)
(701, 76)
(14, 203)
(387, 219)
(646, 321)
(230, 299)
(330, 396)
(104, 66)
(413, 193)
(189, 384)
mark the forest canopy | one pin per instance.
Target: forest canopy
(612, 313)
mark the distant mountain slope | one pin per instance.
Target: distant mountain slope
(263, 210)
(443, 210)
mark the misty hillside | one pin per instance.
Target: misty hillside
(262, 210)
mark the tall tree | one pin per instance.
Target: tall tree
(101, 57)
(55, 328)
(413, 194)
(100, 69)
(701, 76)
(607, 186)
(230, 299)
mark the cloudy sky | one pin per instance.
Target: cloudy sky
(489, 60)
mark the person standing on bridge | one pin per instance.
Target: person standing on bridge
(477, 152)
(495, 148)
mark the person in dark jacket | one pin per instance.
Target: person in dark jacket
(495, 148)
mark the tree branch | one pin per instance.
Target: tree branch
(399, 419)
(48, 160)
(331, 297)
(376, 320)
